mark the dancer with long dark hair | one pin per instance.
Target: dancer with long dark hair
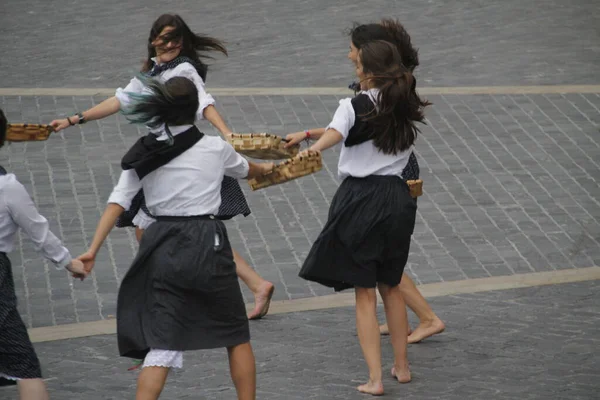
(174, 50)
(394, 32)
(366, 240)
(181, 292)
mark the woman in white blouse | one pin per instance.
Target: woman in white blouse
(18, 361)
(366, 240)
(394, 32)
(174, 50)
(181, 291)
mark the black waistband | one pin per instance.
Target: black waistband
(173, 218)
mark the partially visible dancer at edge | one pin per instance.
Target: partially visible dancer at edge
(18, 362)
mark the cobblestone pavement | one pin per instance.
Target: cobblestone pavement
(534, 343)
(511, 181)
(511, 186)
(303, 42)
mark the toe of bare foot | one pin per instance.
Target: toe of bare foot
(425, 330)
(372, 388)
(262, 301)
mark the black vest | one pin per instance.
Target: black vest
(2, 171)
(362, 131)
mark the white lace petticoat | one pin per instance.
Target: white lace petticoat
(164, 358)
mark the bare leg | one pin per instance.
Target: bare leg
(395, 314)
(370, 342)
(32, 389)
(243, 370)
(262, 289)
(429, 323)
(138, 234)
(151, 382)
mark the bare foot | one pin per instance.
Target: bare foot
(426, 329)
(403, 374)
(383, 329)
(372, 388)
(262, 301)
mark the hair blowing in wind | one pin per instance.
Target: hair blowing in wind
(399, 107)
(174, 102)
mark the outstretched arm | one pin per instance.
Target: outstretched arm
(107, 107)
(213, 116)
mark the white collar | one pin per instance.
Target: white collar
(175, 130)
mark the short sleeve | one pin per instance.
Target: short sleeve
(128, 186)
(187, 70)
(236, 166)
(134, 86)
(344, 117)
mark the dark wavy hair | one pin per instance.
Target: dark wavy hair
(398, 104)
(173, 102)
(194, 46)
(389, 30)
(3, 127)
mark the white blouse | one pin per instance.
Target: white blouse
(185, 70)
(364, 159)
(18, 211)
(188, 185)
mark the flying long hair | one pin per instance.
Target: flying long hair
(194, 46)
(389, 30)
(173, 102)
(398, 107)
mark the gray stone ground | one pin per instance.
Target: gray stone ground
(534, 343)
(302, 42)
(511, 186)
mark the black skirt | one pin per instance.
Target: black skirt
(17, 356)
(233, 203)
(181, 292)
(367, 236)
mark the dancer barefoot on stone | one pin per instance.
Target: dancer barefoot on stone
(174, 50)
(181, 291)
(366, 240)
(394, 32)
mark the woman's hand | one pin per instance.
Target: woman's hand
(88, 259)
(77, 269)
(60, 124)
(294, 139)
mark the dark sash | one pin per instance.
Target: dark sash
(148, 153)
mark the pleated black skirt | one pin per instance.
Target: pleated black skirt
(181, 292)
(367, 236)
(17, 355)
(233, 203)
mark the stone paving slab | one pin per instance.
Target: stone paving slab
(303, 42)
(534, 343)
(511, 186)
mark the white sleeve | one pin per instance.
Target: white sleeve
(127, 187)
(343, 119)
(187, 70)
(235, 165)
(24, 213)
(134, 86)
